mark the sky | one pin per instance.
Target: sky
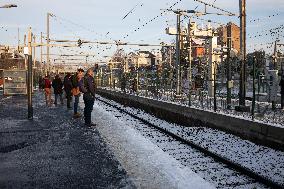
(103, 21)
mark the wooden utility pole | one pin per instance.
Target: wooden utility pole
(30, 75)
(47, 42)
(242, 92)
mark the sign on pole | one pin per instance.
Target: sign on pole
(15, 82)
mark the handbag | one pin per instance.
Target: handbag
(75, 91)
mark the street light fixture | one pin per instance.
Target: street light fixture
(8, 6)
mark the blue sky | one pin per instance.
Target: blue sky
(93, 19)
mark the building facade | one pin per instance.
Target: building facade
(11, 59)
(235, 34)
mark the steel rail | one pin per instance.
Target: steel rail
(259, 178)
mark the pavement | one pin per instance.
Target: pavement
(54, 150)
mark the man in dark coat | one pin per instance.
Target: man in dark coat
(67, 88)
(89, 97)
(57, 88)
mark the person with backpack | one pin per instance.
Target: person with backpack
(57, 88)
(89, 96)
(67, 88)
(47, 90)
(76, 90)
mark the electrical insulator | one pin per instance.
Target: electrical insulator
(79, 42)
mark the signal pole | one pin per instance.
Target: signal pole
(242, 92)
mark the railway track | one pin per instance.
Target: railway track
(220, 171)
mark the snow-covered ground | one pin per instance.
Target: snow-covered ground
(262, 160)
(147, 164)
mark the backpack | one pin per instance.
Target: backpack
(47, 83)
(83, 85)
(42, 83)
(74, 80)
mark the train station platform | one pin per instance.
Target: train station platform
(56, 151)
(53, 150)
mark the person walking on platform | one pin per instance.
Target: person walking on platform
(47, 90)
(89, 97)
(76, 91)
(67, 88)
(57, 87)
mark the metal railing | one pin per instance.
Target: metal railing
(164, 89)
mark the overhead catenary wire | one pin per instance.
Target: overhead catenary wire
(131, 11)
(79, 25)
(104, 48)
(264, 18)
(268, 32)
(215, 7)
(162, 13)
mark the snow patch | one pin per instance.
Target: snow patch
(147, 164)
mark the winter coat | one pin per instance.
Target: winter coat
(68, 84)
(47, 83)
(281, 84)
(74, 80)
(89, 85)
(57, 86)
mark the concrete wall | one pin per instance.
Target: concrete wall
(256, 132)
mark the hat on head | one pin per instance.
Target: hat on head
(80, 70)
